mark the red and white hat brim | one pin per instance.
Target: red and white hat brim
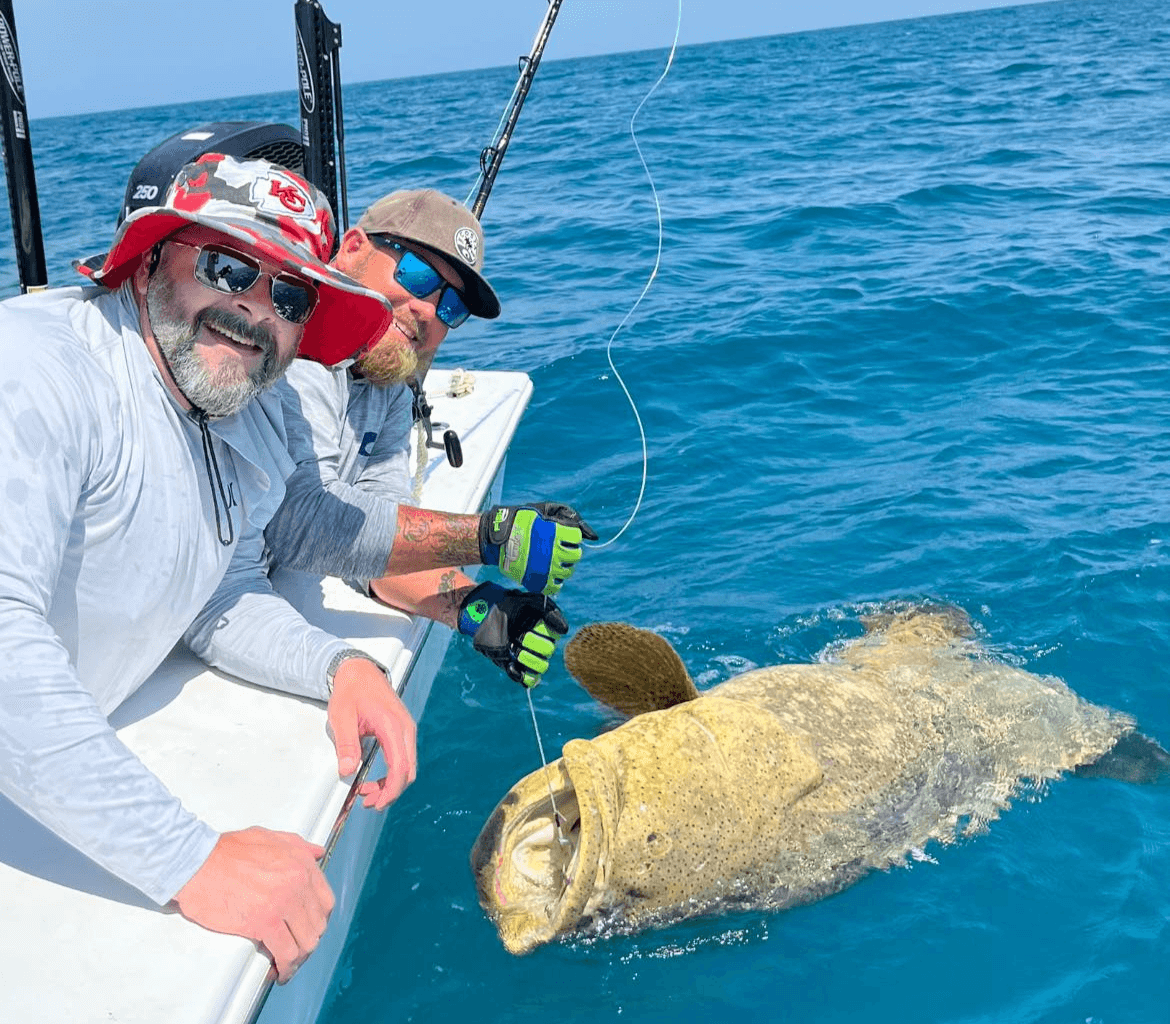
(348, 318)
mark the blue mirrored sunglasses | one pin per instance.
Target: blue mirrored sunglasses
(419, 278)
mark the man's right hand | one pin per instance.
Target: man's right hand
(513, 629)
(265, 886)
(364, 704)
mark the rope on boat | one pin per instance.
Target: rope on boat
(421, 458)
(461, 384)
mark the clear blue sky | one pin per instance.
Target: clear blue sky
(85, 55)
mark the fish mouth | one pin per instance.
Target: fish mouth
(535, 867)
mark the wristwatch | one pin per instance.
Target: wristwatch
(344, 655)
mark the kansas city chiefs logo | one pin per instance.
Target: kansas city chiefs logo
(282, 196)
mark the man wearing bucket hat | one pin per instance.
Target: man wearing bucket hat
(537, 545)
(347, 510)
(138, 442)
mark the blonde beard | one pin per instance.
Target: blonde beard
(391, 361)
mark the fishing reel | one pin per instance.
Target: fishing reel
(422, 410)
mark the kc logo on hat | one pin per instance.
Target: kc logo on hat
(281, 195)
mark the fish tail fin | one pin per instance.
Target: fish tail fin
(1133, 758)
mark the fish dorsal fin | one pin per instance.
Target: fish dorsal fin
(927, 624)
(632, 670)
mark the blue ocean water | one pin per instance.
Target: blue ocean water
(908, 340)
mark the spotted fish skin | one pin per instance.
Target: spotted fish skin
(778, 787)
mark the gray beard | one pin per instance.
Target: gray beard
(227, 391)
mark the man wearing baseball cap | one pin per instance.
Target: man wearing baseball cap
(138, 445)
(346, 512)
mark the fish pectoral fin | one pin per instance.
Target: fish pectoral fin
(1133, 758)
(631, 670)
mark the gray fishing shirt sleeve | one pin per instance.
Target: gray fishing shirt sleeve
(109, 546)
(352, 445)
(250, 631)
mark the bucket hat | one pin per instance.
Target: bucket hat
(275, 214)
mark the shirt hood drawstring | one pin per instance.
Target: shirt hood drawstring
(214, 479)
(218, 492)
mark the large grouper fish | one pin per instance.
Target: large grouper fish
(783, 784)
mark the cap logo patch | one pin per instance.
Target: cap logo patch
(279, 195)
(467, 246)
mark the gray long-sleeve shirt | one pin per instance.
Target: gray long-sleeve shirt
(108, 548)
(351, 443)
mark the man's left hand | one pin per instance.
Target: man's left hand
(364, 704)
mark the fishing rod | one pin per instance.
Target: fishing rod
(489, 165)
(18, 161)
(322, 123)
(492, 154)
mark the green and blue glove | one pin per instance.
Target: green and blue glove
(513, 629)
(536, 545)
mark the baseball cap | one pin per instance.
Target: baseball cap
(440, 224)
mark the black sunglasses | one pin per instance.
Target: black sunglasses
(224, 270)
(419, 278)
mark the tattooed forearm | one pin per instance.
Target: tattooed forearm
(446, 606)
(435, 593)
(430, 540)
